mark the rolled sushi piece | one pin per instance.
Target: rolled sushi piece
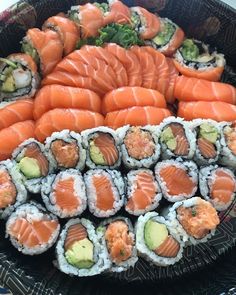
(195, 220)
(78, 250)
(169, 38)
(64, 150)
(228, 144)
(218, 186)
(31, 160)
(196, 59)
(117, 237)
(12, 190)
(64, 194)
(18, 77)
(32, 230)
(208, 135)
(143, 192)
(177, 139)
(105, 191)
(178, 179)
(157, 241)
(103, 148)
(139, 146)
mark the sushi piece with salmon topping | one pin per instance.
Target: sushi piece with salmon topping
(218, 186)
(64, 193)
(156, 241)
(143, 192)
(178, 179)
(105, 191)
(32, 230)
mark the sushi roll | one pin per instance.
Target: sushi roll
(140, 147)
(105, 191)
(228, 145)
(116, 236)
(64, 194)
(78, 250)
(169, 38)
(33, 164)
(143, 192)
(218, 186)
(208, 135)
(32, 230)
(64, 150)
(196, 59)
(12, 191)
(102, 146)
(176, 139)
(18, 77)
(195, 220)
(178, 179)
(156, 240)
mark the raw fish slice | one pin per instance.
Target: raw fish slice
(104, 195)
(173, 74)
(169, 248)
(75, 233)
(119, 13)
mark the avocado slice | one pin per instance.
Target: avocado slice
(165, 35)
(154, 234)
(8, 62)
(9, 84)
(189, 50)
(29, 167)
(168, 138)
(80, 254)
(208, 132)
(95, 154)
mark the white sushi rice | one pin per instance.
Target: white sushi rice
(68, 137)
(124, 265)
(142, 248)
(100, 256)
(206, 178)
(227, 158)
(31, 212)
(21, 197)
(132, 186)
(118, 189)
(189, 166)
(47, 192)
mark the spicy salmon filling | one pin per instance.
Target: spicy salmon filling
(7, 190)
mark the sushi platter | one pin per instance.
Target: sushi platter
(117, 141)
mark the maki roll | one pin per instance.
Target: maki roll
(168, 39)
(32, 163)
(105, 191)
(140, 147)
(208, 145)
(78, 250)
(32, 230)
(102, 146)
(156, 240)
(218, 186)
(228, 144)
(64, 194)
(195, 220)
(18, 77)
(117, 237)
(176, 138)
(12, 190)
(64, 150)
(143, 192)
(196, 59)
(178, 179)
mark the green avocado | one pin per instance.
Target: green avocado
(29, 49)
(208, 132)
(95, 154)
(80, 254)
(154, 234)
(168, 138)
(8, 62)
(189, 50)
(165, 35)
(29, 167)
(8, 85)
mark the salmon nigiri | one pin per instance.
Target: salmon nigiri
(72, 119)
(137, 116)
(58, 96)
(215, 110)
(126, 97)
(193, 89)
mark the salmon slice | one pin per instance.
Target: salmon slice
(182, 144)
(8, 191)
(119, 241)
(177, 181)
(104, 194)
(119, 13)
(65, 153)
(33, 151)
(75, 233)
(206, 148)
(169, 248)
(174, 43)
(173, 74)
(107, 147)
